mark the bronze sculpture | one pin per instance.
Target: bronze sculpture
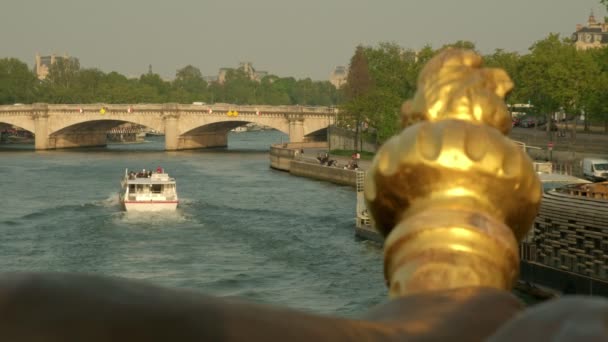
(451, 193)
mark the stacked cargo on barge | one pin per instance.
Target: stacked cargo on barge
(567, 251)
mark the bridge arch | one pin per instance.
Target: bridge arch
(82, 133)
(76, 123)
(226, 126)
(27, 125)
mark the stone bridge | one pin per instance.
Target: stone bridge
(185, 126)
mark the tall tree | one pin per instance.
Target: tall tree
(358, 83)
(63, 72)
(239, 88)
(153, 88)
(555, 77)
(189, 84)
(593, 64)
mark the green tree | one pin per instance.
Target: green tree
(116, 88)
(239, 88)
(382, 112)
(461, 44)
(63, 72)
(271, 93)
(358, 83)
(390, 68)
(88, 83)
(17, 82)
(595, 89)
(60, 85)
(511, 63)
(551, 77)
(153, 88)
(188, 85)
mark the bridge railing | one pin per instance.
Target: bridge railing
(148, 107)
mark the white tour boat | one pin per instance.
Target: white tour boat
(148, 191)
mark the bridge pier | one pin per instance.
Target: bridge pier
(174, 141)
(78, 139)
(171, 134)
(207, 139)
(170, 113)
(40, 113)
(296, 128)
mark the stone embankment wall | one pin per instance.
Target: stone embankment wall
(322, 172)
(281, 155)
(287, 157)
(343, 139)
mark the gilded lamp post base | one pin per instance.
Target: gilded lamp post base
(448, 248)
(451, 193)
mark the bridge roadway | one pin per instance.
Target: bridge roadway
(185, 126)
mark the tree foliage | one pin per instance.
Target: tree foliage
(553, 76)
(17, 83)
(67, 82)
(358, 82)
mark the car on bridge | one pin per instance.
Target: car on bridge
(531, 121)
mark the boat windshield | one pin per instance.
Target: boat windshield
(601, 167)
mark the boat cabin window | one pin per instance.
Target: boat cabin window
(131, 187)
(143, 188)
(157, 188)
(600, 167)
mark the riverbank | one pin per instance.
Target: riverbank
(300, 159)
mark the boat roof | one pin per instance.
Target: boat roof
(556, 177)
(155, 178)
(556, 180)
(596, 191)
(597, 160)
(150, 181)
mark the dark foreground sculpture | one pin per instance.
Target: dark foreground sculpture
(452, 195)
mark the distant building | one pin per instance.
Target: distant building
(338, 76)
(246, 67)
(259, 75)
(210, 79)
(594, 35)
(221, 76)
(43, 64)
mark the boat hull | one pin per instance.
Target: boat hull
(148, 206)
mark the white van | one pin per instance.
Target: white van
(595, 169)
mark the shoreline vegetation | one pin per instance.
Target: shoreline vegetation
(552, 80)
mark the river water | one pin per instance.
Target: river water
(241, 229)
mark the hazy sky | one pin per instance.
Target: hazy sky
(303, 38)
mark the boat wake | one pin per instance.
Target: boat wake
(157, 219)
(110, 201)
